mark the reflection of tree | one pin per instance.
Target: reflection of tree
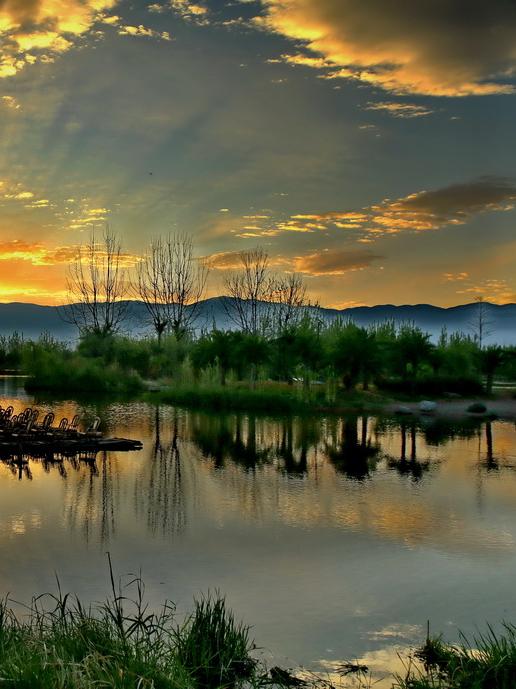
(223, 438)
(166, 510)
(93, 502)
(411, 466)
(293, 448)
(353, 455)
(436, 431)
(491, 462)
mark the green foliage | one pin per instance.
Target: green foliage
(212, 649)
(489, 662)
(353, 353)
(122, 645)
(341, 355)
(58, 372)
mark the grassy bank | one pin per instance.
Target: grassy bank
(487, 662)
(61, 644)
(277, 399)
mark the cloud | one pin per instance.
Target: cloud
(401, 110)
(191, 11)
(10, 102)
(143, 32)
(35, 253)
(38, 254)
(420, 211)
(452, 205)
(36, 31)
(334, 262)
(428, 48)
(322, 263)
(224, 260)
(231, 260)
(455, 277)
(492, 290)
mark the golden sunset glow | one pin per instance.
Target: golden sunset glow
(366, 147)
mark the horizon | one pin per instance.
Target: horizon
(307, 305)
(368, 150)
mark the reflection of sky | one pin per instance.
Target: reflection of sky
(325, 567)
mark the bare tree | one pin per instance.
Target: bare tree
(288, 297)
(150, 286)
(170, 281)
(97, 286)
(481, 325)
(248, 288)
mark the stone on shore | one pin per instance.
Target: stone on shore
(427, 407)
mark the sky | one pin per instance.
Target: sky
(368, 146)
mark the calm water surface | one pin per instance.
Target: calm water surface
(334, 538)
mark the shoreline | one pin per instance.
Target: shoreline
(274, 401)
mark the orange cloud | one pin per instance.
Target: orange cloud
(231, 260)
(403, 111)
(494, 291)
(37, 254)
(420, 211)
(334, 262)
(38, 31)
(404, 48)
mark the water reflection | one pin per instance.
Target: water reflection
(353, 455)
(323, 532)
(161, 497)
(92, 499)
(196, 462)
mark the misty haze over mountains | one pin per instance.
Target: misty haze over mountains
(31, 320)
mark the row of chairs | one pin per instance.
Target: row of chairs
(26, 422)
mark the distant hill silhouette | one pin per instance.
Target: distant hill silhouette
(31, 320)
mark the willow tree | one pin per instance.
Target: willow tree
(97, 286)
(170, 282)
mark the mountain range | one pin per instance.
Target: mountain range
(31, 320)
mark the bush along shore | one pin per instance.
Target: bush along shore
(59, 643)
(307, 365)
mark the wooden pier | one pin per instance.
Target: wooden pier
(22, 437)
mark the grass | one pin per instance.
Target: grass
(61, 644)
(81, 376)
(279, 399)
(489, 662)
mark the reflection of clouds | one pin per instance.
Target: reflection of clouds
(382, 664)
(408, 632)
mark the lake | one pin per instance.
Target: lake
(335, 539)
